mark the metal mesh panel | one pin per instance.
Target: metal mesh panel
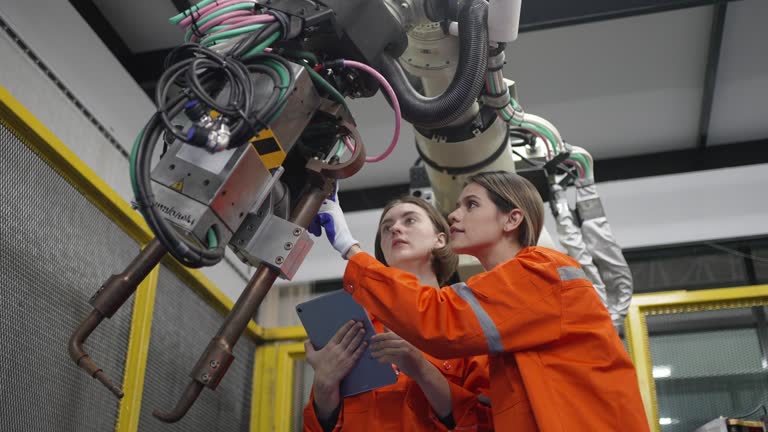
(182, 326)
(707, 364)
(57, 250)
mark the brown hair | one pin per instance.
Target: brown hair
(510, 191)
(444, 261)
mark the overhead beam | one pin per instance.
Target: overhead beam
(710, 76)
(546, 14)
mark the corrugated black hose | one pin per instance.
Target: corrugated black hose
(438, 111)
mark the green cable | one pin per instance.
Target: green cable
(218, 27)
(178, 18)
(544, 131)
(342, 146)
(285, 80)
(222, 11)
(213, 242)
(260, 47)
(304, 55)
(584, 163)
(326, 85)
(235, 7)
(229, 33)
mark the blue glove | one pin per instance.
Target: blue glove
(331, 218)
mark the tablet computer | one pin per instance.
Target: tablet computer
(323, 316)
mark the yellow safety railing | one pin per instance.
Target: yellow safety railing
(40, 140)
(675, 302)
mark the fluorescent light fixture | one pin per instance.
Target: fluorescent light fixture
(662, 371)
(665, 421)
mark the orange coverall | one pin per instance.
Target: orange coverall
(402, 406)
(557, 364)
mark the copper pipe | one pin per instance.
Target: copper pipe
(245, 307)
(82, 359)
(107, 300)
(185, 403)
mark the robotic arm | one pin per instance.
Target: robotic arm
(254, 130)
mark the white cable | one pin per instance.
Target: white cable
(540, 121)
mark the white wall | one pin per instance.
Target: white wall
(652, 211)
(55, 31)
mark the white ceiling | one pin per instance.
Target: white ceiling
(740, 109)
(621, 87)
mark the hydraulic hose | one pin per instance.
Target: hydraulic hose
(439, 111)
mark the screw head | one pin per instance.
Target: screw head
(288, 246)
(296, 232)
(205, 377)
(279, 260)
(215, 364)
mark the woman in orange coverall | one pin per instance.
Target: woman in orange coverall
(430, 394)
(556, 361)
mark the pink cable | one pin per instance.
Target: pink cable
(248, 19)
(579, 168)
(348, 142)
(220, 19)
(198, 14)
(392, 98)
(243, 21)
(538, 135)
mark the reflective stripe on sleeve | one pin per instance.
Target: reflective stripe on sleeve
(492, 335)
(571, 273)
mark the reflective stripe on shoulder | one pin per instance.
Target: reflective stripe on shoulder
(571, 273)
(492, 335)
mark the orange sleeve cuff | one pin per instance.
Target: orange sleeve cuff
(311, 424)
(356, 265)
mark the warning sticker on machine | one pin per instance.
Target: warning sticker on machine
(178, 186)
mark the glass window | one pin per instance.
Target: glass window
(707, 364)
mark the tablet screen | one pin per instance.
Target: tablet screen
(323, 316)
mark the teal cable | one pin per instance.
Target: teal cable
(217, 28)
(583, 160)
(319, 80)
(230, 33)
(213, 242)
(260, 48)
(544, 131)
(234, 7)
(285, 80)
(177, 18)
(222, 11)
(342, 146)
(304, 55)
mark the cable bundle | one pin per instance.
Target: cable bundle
(231, 26)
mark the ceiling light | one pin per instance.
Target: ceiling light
(662, 371)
